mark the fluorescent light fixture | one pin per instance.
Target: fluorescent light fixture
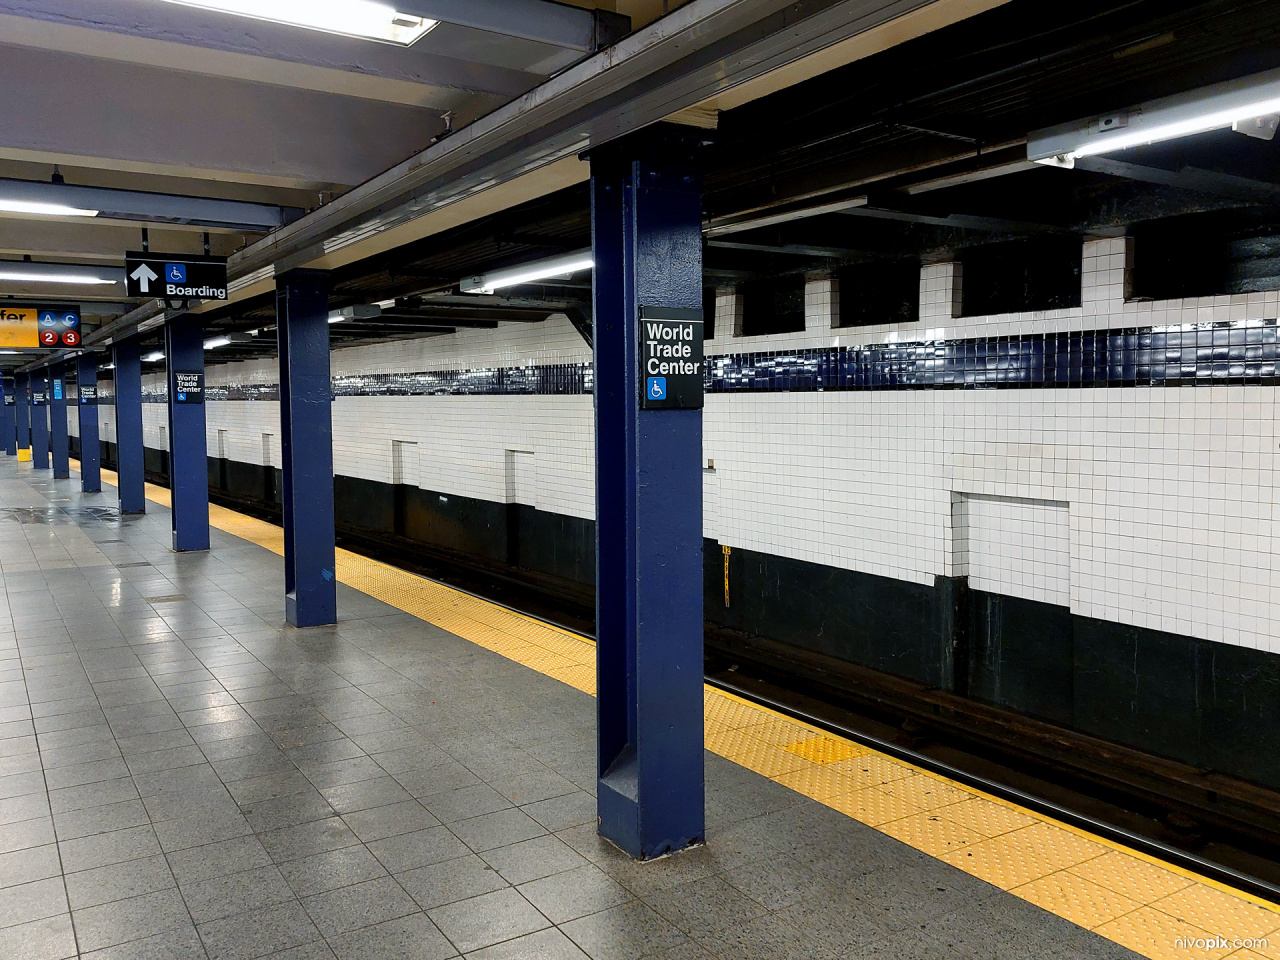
(561, 267)
(335, 316)
(9, 353)
(350, 18)
(109, 366)
(153, 357)
(44, 209)
(214, 342)
(20, 271)
(1221, 106)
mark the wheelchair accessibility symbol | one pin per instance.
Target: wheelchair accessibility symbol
(175, 273)
(657, 388)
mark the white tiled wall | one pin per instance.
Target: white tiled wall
(1167, 494)
(1016, 547)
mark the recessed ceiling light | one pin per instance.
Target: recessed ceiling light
(351, 18)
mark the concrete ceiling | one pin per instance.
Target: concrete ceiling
(165, 98)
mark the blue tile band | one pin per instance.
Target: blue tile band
(1232, 352)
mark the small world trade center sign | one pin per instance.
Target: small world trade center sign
(671, 362)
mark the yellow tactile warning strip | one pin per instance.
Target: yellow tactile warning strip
(1153, 908)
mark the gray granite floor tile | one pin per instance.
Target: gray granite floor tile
(49, 939)
(488, 919)
(332, 869)
(409, 938)
(544, 945)
(448, 882)
(119, 881)
(418, 849)
(575, 893)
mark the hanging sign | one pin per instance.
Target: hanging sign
(178, 276)
(670, 359)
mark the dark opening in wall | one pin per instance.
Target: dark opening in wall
(708, 311)
(1040, 273)
(1204, 255)
(772, 305)
(882, 292)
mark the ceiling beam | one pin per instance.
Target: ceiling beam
(101, 241)
(797, 249)
(101, 113)
(543, 21)
(135, 205)
(192, 40)
(960, 221)
(1188, 178)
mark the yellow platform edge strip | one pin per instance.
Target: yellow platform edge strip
(1129, 897)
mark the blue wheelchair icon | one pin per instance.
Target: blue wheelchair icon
(657, 388)
(175, 272)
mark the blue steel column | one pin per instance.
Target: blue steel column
(130, 467)
(8, 418)
(58, 440)
(40, 420)
(22, 410)
(188, 445)
(90, 447)
(306, 446)
(646, 232)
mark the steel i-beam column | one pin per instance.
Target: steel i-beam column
(130, 465)
(22, 411)
(306, 447)
(87, 402)
(40, 420)
(646, 218)
(188, 445)
(8, 419)
(59, 443)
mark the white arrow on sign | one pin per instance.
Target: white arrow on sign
(144, 275)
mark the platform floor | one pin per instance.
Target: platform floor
(183, 776)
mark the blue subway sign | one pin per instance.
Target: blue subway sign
(671, 362)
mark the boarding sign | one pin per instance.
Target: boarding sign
(188, 387)
(175, 276)
(670, 359)
(40, 326)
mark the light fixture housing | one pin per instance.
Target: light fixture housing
(563, 266)
(1222, 106)
(153, 357)
(37, 209)
(365, 19)
(214, 342)
(21, 271)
